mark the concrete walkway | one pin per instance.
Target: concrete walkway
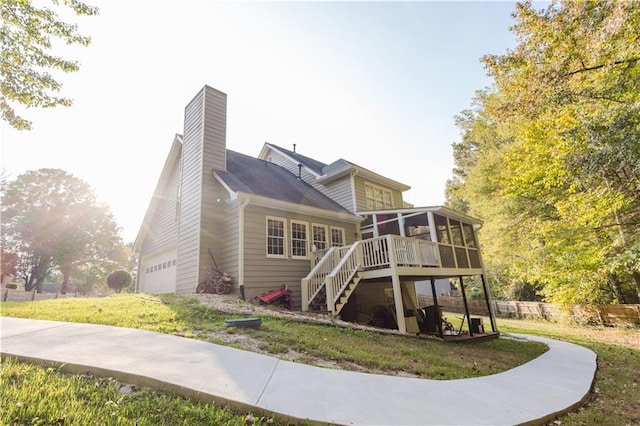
(556, 382)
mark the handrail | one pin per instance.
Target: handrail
(315, 279)
(337, 267)
(342, 274)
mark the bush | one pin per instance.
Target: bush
(119, 279)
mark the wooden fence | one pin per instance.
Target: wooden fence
(625, 315)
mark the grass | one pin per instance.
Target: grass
(37, 395)
(616, 392)
(615, 401)
(309, 343)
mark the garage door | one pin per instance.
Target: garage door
(158, 273)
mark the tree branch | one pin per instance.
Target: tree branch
(595, 67)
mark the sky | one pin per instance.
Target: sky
(376, 83)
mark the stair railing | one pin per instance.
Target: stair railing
(313, 283)
(338, 280)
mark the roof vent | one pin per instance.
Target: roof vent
(294, 147)
(299, 171)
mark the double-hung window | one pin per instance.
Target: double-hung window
(337, 237)
(276, 237)
(320, 233)
(299, 240)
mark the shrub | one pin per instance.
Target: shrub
(119, 279)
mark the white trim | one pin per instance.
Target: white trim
(337, 228)
(384, 191)
(306, 239)
(284, 237)
(261, 201)
(327, 236)
(232, 194)
(244, 204)
(263, 154)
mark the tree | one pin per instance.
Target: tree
(119, 280)
(27, 60)
(52, 219)
(557, 179)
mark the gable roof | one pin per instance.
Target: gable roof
(312, 165)
(328, 172)
(174, 155)
(259, 177)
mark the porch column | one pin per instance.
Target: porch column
(397, 298)
(435, 302)
(466, 306)
(487, 299)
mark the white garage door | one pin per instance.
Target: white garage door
(158, 273)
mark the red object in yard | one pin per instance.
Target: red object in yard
(281, 296)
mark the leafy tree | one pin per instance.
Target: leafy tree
(51, 219)
(550, 158)
(119, 280)
(26, 39)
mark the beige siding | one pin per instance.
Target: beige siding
(163, 229)
(340, 192)
(361, 198)
(191, 190)
(212, 216)
(262, 273)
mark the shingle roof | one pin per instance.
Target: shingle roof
(253, 176)
(314, 165)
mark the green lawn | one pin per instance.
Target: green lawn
(615, 400)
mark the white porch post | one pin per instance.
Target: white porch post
(329, 292)
(395, 280)
(397, 298)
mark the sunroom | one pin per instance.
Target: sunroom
(398, 248)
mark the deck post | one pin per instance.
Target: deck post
(397, 298)
(466, 306)
(492, 318)
(435, 302)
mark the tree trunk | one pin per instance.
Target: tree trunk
(614, 281)
(636, 278)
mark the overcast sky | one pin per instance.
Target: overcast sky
(378, 84)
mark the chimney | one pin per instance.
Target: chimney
(205, 129)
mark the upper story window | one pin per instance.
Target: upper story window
(337, 237)
(276, 237)
(378, 198)
(299, 240)
(320, 233)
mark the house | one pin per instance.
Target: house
(340, 236)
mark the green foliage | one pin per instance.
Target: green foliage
(550, 158)
(119, 280)
(26, 59)
(51, 219)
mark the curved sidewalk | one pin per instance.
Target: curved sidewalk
(554, 383)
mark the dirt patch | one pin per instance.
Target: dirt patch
(232, 305)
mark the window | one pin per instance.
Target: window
(298, 240)
(320, 236)
(378, 198)
(337, 237)
(276, 237)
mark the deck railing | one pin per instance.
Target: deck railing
(338, 265)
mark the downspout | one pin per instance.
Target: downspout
(244, 204)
